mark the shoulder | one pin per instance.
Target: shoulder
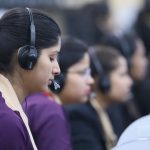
(41, 107)
(79, 108)
(11, 129)
(9, 119)
(39, 99)
(85, 125)
(78, 111)
(40, 102)
(47, 122)
(9, 122)
(12, 136)
(8, 116)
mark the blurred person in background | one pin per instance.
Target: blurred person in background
(132, 48)
(29, 44)
(47, 118)
(90, 22)
(142, 25)
(74, 63)
(92, 127)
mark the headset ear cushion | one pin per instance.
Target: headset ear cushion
(60, 80)
(27, 57)
(104, 84)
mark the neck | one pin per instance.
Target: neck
(17, 85)
(102, 99)
(63, 98)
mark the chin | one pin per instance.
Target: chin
(85, 99)
(119, 100)
(80, 100)
(125, 99)
(44, 89)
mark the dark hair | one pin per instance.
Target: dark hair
(93, 18)
(107, 58)
(72, 51)
(142, 25)
(98, 9)
(15, 33)
(125, 44)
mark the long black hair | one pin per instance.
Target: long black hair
(15, 33)
(72, 51)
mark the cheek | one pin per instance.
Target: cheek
(45, 68)
(76, 84)
(139, 67)
(43, 72)
(142, 64)
(76, 89)
(117, 90)
(139, 62)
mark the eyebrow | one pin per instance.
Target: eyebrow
(55, 52)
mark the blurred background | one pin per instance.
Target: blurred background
(91, 20)
(71, 14)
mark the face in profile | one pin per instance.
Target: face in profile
(139, 62)
(120, 82)
(78, 82)
(38, 79)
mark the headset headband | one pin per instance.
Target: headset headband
(32, 28)
(97, 64)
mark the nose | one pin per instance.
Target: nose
(90, 80)
(130, 81)
(146, 62)
(56, 68)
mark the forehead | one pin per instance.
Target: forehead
(82, 64)
(52, 50)
(121, 63)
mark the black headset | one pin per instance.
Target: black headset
(104, 81)
(27, 55)
(57, 84)
(121, 43)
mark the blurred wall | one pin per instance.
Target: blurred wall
(124, 12)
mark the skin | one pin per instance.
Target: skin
(120, 85)
(139, 62)
(77, 85)
(26, 82)
(120, 81)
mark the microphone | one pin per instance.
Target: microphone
(58, 83)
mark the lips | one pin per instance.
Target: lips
(88, 91)
(50, 82)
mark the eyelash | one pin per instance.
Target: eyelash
(51, 59)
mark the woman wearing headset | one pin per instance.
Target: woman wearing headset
(74, 63)
(92, 127)
(132, 48)
(48, 123)
(29, 45)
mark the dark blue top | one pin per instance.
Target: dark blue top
(86, 128)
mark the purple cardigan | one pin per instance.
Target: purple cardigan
(13, 133)
(47, 122)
